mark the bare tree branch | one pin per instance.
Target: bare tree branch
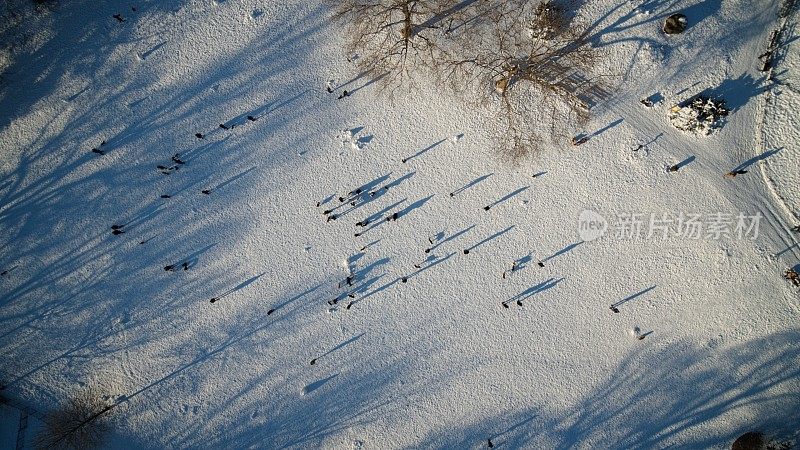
(528, 59)
(394, 37)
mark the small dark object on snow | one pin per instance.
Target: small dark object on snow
(185, 266)
(116, 232)
(505, 305)
(766, 61)
(199, 136)
(733, 173)
(349, 305)
(486, 208)
(206, 191)
(647, 102)
(344, 94)
(329, 89)
(251, 118)
(270, 311)
(404, 280)
(614, 308)
(213, 300)
(749, 441)
(391, 218)
(673, 168)
(118, 17)
(540, 264)
(489, 443)
(334, 301)
(177, 160)
(169, 268)
(4, 273)
(466, 251)
(355, 192)
(351, 295)
(675, 24)
(331, 217)
(642, 336)
(641, 146)
(576, 141)
(796, 228)
(792, 276)
(165, 196)
(519, 302)
(224, 127)
(98, 151)
(313, 361)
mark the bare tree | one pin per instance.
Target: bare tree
(530, 60)
(393, 38)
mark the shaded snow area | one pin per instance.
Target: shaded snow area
(318, 338)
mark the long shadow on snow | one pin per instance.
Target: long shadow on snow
(660, 397)
(57, 206)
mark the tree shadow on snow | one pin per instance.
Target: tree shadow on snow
(79, 295)
(681, 395)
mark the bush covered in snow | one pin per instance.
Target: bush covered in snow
(702, 115)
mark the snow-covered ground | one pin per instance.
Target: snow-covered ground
(781, 128)
(433, 362)
(9, 424)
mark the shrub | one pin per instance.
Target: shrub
(701, 115)
(76, 425)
